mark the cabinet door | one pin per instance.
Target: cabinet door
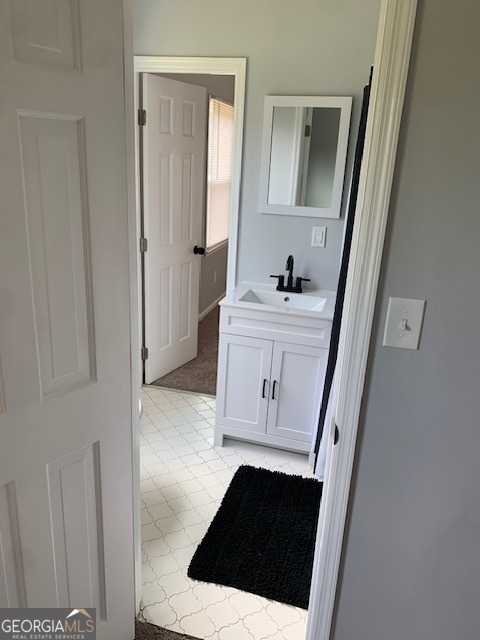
(297, 379)
(243, 382)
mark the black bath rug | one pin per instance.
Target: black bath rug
(262, 538)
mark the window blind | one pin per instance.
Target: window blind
(220, 137)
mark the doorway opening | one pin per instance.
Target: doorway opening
(183, 475)
(186, 179)
(199, 374)
(391, 67)
(181, 283)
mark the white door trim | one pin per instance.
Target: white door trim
(392, 55)
(217, 66)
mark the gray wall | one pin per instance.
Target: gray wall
(412, 561)
(311, 47)
(213, 277)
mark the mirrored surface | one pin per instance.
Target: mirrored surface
(303, 155)
(303, 162)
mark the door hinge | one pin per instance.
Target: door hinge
(308, 130)
(143, 245)
(142, 117)
(144, 353)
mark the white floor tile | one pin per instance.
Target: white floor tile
(168, 525)
(180, 504)
(166, 565)
(150, 532)
(184, 478)
(260, 625)
(189, 518)
(148, 576)
(246, 603)
(207, 511)
(160, 614)
(282, 615)
(222, 614)
(209, 593)
(197, 625)
(185, 604)
(157, 469)
(146, 517)
(153, 436)
(175, 465)
(156, 548)
(153, 593)
(175, 583)
(184, 555)
(237, 631)
(295, 631)
(177, 540)
(153, 498)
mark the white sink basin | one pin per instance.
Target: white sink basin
(258, 310)
(284, 300)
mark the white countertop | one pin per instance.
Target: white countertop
(287, 300)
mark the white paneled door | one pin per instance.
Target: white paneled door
(65, 382)
(173, 184)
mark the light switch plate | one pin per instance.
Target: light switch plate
(404, 322)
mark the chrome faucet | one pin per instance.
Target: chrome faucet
(290, 286)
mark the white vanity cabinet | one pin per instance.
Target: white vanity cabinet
(296, 385)
(243, 382)
(270, 388)
(271, 369)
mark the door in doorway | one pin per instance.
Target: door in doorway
(66, 512)
(174, 139)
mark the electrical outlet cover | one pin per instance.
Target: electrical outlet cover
(319, 236)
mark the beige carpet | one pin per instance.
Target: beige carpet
(200, 374)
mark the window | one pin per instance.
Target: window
(219, 171)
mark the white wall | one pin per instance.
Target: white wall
(412, 557)
(307, 47)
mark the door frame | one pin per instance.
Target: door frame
(236, 67)
(391, 61)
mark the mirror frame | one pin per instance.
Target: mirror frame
(344, 103)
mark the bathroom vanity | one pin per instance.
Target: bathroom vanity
(273, 354)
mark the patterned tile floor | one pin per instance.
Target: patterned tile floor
(183, 479)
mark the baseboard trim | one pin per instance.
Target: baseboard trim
(210, 307)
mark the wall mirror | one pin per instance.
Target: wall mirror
(304, 151)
